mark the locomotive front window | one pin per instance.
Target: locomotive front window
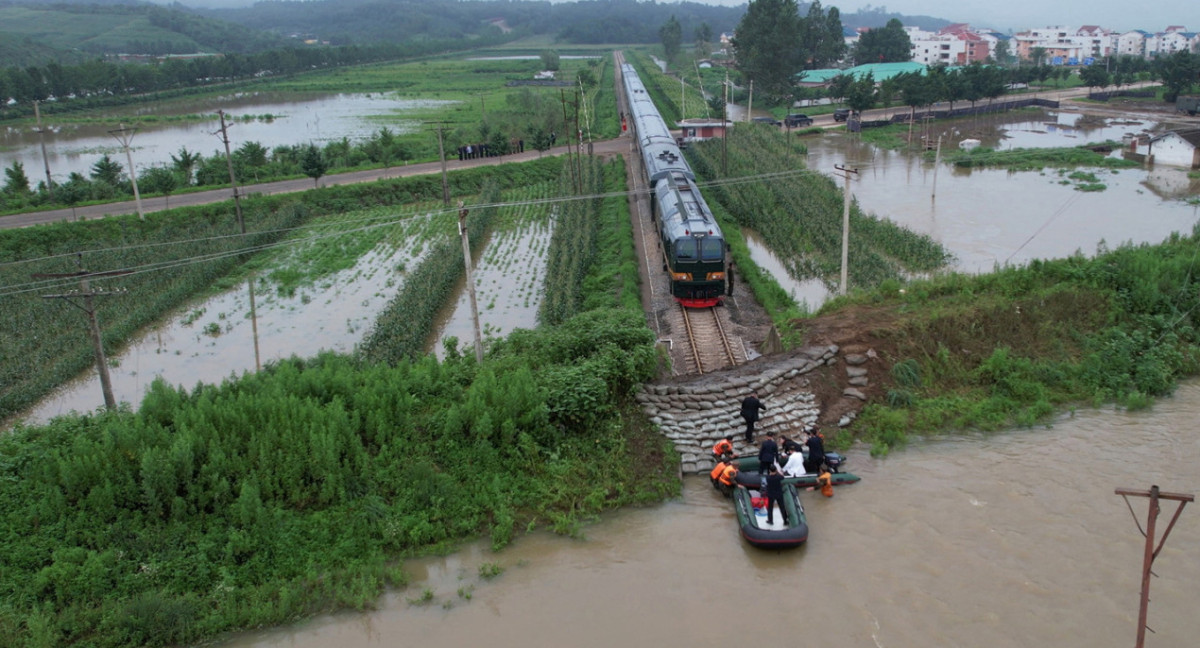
(686, 250)
(712, 249)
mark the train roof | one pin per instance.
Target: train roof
(660, 152)
(684, 211)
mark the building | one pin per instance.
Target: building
(1176, 148)
(700, 129)
(1067, 45)
(1132, 43)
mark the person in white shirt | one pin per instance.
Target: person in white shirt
(795, 464)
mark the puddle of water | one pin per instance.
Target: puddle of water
(809, 293)
(299, 118)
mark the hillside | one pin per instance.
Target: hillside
(67, 33)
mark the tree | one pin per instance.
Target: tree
(890, 44)
(1002, 54)
(1095, 76)
(185, 163)
(821, 40)
(16, 183)
(107, 171)
(159, 179)
(313, 164)
(861, 95)
(1037, 55)
(549, 60)
(765, 45)
(671, 35)
(839, 86)
(704, 39)
(1179, 72)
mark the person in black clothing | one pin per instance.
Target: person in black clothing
(787, 445)
(775, 495)
(767, 454)
(750, 408)
(816, 452)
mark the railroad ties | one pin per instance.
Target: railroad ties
(708, 342)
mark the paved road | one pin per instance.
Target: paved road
(605, 148)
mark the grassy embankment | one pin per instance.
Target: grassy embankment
(294, 490)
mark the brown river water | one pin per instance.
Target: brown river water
(998, 540)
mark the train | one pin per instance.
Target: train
(694, 250)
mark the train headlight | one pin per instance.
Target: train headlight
(716, 276)
(681, 276)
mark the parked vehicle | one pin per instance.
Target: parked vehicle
(841, 114)
(768, 120)
(1189, 105)
(792, 121)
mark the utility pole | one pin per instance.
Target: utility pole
(125, 136)
(682, 100)
(462, 230)
(846, 173)
(750, 103)
(567, 124)
(937, 162)
(37, 115)
(85, 294)
(725, 129)
(237, 205)
(1154, 496)
(445, 178)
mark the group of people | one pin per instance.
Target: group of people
(770, 456)
(474, 151)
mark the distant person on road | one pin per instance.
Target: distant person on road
(750, 408)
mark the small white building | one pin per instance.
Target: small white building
(1132, 43)
(1177, 148)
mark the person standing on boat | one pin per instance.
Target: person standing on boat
(750, 407)
(816, 451)
(767, 454)
(724, 447)
(775, 495)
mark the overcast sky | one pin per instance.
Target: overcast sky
(1151, 16)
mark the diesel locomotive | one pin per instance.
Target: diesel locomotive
(691, 240)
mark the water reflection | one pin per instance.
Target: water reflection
(294, 118)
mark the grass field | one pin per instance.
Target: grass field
(73, 31)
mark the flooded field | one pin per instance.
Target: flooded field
(271, 119)
(992, 217)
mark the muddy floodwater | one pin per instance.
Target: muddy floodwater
(992, 217)
(272, 119)
(986, 541)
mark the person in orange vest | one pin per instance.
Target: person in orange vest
(715, 475)
(825, 481)
(724, 447)
(728, 480)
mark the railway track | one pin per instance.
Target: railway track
(708, 341)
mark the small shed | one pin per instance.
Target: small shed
(700, 129)
(1177, 148)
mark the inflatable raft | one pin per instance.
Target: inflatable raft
(754, 525)
(749, 476)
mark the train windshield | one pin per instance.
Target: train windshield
(710, 248)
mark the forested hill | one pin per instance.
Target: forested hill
(68, 32)
(361, 21)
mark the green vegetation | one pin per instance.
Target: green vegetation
(1013, 347)
(800, 213)
(199, 246)
(1027, 159)
(666, 89)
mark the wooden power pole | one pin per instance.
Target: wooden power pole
(1154, 496)
(237, 205)
(462, 230)
(125, 136)
(846, 173)
(85, 295)
(37, 115)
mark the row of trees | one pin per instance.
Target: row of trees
(774, 43)
(68, 84)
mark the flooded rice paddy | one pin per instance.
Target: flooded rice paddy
(269, 118)
(992, 217)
